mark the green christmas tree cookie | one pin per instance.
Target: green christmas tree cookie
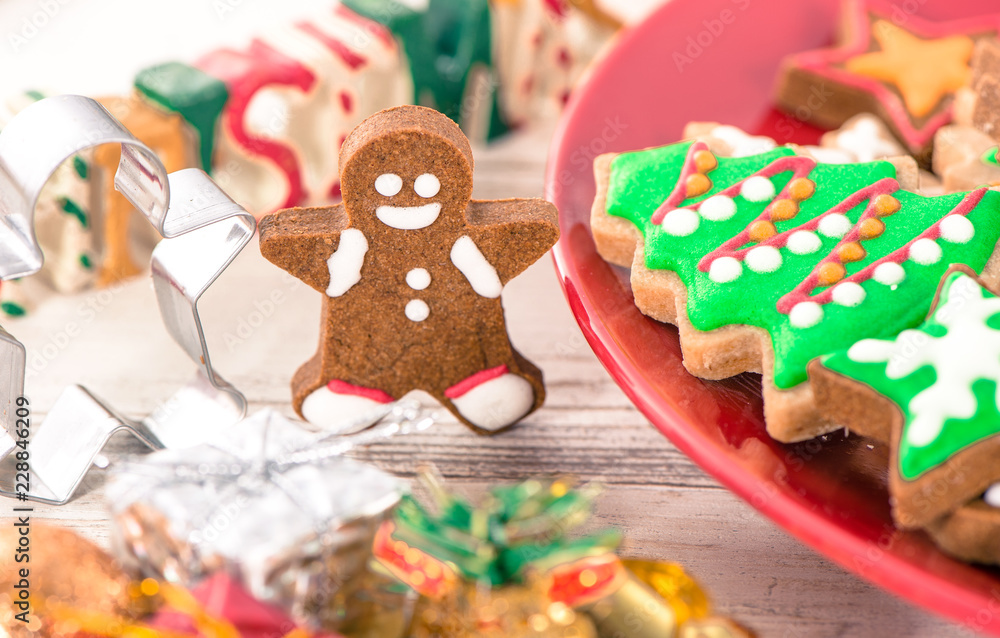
(768, 261)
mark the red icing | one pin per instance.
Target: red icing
(803, 291)
(565, 59)
(557, 7)
(337, 46)
(342, 387)
(335, 191)
(679, 194)
(347, 102)
(246, 73)
(478, 379)
(824, 62)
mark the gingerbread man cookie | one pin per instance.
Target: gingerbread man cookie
(411, 269)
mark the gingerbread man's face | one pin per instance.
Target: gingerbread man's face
(407, 181)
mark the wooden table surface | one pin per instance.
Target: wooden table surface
(666, 505)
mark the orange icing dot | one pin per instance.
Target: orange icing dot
(830, 273)
(783, 209)
(761, 230)
(801, 188)
(705, 161)
(871, 228)
(698, 184)
(851, 251)
(886, 205)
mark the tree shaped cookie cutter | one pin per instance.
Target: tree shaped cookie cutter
(203, 231)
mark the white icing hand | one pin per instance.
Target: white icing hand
(346, 262)
(470, 262)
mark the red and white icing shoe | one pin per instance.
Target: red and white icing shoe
(492, 399)
(342, 408)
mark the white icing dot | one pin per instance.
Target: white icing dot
(389, 184)
(427, 186)
(757, 189)
(724, 270)
(890, 273)
(680, 222)
(418, 279)
(803, 242)
(417, 310)
(925, 251)
(835, 225)
(806, 314)
(763, 259)
(717, 208)
(992, 495)
(957, 229)
(849, 294)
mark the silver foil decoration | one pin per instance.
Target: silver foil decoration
(203, 231)
(272, 504)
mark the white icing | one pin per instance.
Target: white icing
(496, 403)
(803, 242)
(849, 294)
(763, 259)
(388, 184)
(992, 495)
(830, 155)
(867, 140)
(340, 413)
(346, 262)
(757, 189)
(470, 262)
(742, 144)
(680, 222)
(806, 314)
(417, 310)
(925, 251)
(418, 279)
(890, 273)
(725, 269)
(968, 351)
(957, 229)
(427, 186)
(717, 208)
(834, 225)
(408, 217)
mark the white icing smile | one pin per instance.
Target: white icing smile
(408, 217)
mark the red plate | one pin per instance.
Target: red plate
(716, 60)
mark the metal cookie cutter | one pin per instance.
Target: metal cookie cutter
(203, 231)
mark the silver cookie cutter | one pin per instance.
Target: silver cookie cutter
(203, 230)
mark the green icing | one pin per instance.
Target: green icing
(990, 156)
(72, 208)
(85, 261)
(641, 181)
(198, 97)
(956, 433)
(35, 95)
(80, 167)
(12, 309)
(444, 43)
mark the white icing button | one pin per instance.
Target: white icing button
(418, 279)
(427, 186)
(389, 184)
(957, 229)
(724, 270)
(992, 495)
(763, 259)
(757, 189)
(803, 242)
(717, 208)
(806, 314)
(925, 251)
(835, 225)
(417, 310)
(680, 222)
(890, 273)
(849, 294)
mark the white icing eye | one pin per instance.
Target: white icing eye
(389, 184)
(427, 186)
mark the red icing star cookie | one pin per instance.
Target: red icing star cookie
(889, 62)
